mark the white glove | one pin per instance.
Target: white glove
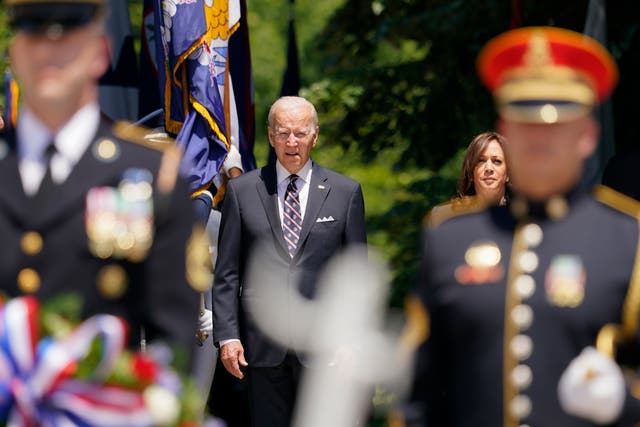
(205, 322)
(592, 387)
(233, 160)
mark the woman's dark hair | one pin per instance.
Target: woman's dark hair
(471, 156)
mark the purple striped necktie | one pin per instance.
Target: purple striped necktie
(292, 218)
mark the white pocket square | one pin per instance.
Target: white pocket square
(325, 219)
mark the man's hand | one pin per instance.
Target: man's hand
(232, 356)
(592, 387)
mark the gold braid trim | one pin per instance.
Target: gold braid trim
(617, 200)
(142, 136)
(631, 307)
(608, 339)
(418, 324)
(455, 207)
(512, 298)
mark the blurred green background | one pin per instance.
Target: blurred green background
(395, 85)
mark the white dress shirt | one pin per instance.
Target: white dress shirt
(71, 141)
(304, 178)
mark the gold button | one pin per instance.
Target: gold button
(31, 243)
(528, 261)
(521, 347)
(522, 316)
(521, 376)
(112, 281)
(557, 208)
(28, 280)
(520, 406)
(525, 286)
(107, 150)
(532, 234)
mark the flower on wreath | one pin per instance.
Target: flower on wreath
(55, 370)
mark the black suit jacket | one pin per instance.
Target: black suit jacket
(152, 293)
(250, 215)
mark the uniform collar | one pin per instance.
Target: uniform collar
(71, 140)
(30, 128)
(76, 135)
(555, 208)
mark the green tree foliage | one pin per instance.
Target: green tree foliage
(4, 43)
(398, 93)
(397, 89)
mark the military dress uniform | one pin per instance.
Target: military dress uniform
(511, 295)
(115, 233)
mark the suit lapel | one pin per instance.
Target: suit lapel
(318, 191)
(268, 192)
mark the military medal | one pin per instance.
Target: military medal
(482, 264)
(565, 280)
(119, 221)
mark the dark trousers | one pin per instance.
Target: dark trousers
(272, 392)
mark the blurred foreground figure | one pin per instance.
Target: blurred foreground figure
(515, 293)
(87, 206)
(348, 351)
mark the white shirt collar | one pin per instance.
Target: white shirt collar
(71, 141)
(304, 173)
(30, 128)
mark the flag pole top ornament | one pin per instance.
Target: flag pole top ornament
(53, 17)
(546, 74)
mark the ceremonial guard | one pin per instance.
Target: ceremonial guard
(87, 206)
(514, 295)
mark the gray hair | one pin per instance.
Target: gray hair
(290, 103)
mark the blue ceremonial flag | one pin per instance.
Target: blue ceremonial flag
(195, 81)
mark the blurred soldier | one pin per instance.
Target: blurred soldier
(86, 206)
(514, 293)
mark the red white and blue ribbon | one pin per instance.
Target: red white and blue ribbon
(37, 386)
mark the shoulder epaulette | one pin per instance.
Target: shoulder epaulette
(142, 136)
(451, 209)
(617, 201)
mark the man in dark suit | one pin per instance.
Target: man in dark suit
(516, 294)
(303, 214)
(85, 206)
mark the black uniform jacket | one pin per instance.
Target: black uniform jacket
(513, 294)
(45, 249)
